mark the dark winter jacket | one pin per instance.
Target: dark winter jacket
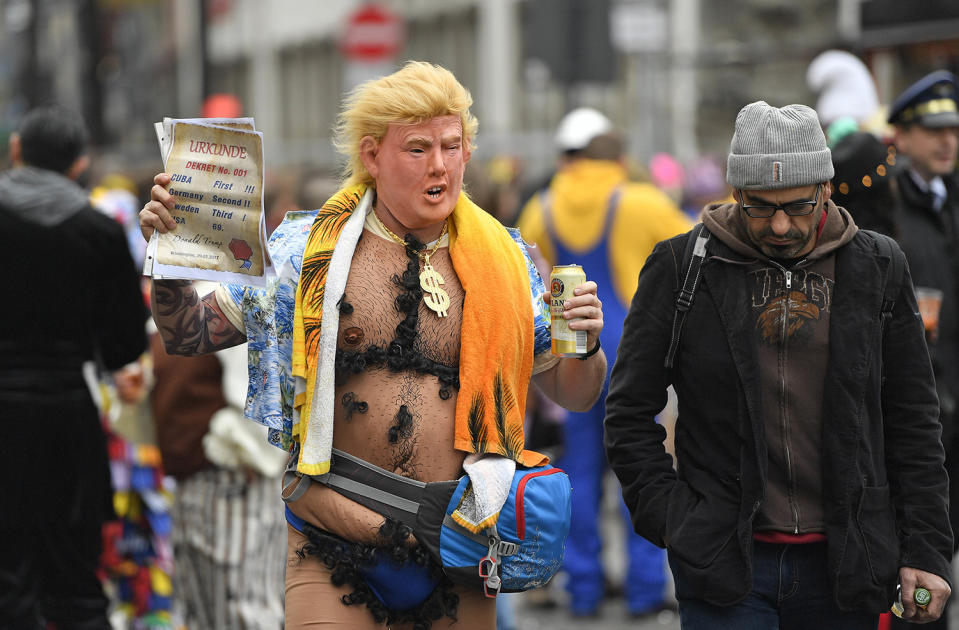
(930, 240)
(71, 295)
(884, 487)
(70, 286)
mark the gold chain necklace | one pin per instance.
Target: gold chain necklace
(436, 299)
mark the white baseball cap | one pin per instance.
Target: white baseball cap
(580, 126)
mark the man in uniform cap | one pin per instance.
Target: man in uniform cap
(930, 101)
(926, 120)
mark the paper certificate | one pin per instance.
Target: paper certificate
(216, 167)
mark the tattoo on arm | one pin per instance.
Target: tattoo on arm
(190, 325)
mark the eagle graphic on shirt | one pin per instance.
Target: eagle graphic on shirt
(783, 314)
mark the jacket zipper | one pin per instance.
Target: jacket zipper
(789, 463)
(788, 274)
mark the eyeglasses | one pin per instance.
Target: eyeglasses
(793, 209)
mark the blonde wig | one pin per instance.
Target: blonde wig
(417, 92)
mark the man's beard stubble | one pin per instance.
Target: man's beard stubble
(791, 250)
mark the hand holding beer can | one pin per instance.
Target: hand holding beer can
(562, 281)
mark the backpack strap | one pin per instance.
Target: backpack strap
(693, 256)
(895, 273)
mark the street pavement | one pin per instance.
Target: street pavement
(612, 616)
(530, 614)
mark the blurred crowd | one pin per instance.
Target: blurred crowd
(194, 484)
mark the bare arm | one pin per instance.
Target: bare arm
(187, 324)
(190, 325)
(573, 383)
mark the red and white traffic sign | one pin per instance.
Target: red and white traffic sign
(372, 34)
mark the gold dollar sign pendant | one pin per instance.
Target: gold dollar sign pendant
(436, 299)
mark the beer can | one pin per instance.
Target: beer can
(562, 281)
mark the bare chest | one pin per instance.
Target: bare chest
(397, 363)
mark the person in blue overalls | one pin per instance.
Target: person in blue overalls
(592, 216)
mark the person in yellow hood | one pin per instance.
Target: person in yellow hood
(591, 215)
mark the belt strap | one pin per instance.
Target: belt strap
(288, 478)
(369, 485)
(347, 485)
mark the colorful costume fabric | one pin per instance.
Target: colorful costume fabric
(137, 559)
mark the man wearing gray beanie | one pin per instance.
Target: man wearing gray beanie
(809, 480)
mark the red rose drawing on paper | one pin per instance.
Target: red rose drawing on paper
(242, 251)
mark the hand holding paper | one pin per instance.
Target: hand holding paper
(208, 211)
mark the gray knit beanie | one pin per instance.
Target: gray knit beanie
(775, 147)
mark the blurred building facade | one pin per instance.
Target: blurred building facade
(108, 59)
(670, 73)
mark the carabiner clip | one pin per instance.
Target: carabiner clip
(486, 573)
